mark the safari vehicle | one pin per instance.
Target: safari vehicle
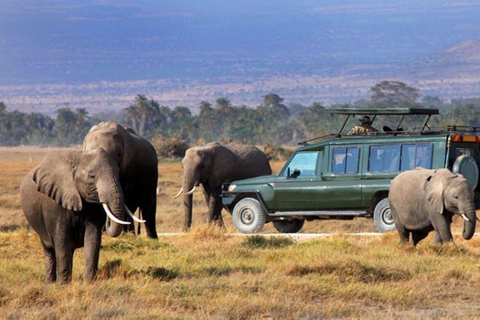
(345, 176)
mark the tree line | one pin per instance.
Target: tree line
(271, 122)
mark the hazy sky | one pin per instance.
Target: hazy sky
(87, 41)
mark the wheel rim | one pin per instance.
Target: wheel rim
(387, 216)
(247, 216)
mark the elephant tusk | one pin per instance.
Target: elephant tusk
(133, 216)
(111, 216)
(178, 194)
(465, 217)
(191, 191)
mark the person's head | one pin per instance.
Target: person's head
(365, 120)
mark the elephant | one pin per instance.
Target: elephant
(137, 163)
(212, 165)
(424, 200)
(64, 199)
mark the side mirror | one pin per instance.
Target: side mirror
(295, 173)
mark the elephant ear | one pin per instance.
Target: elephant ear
(54, 177)
(434, 191)
(224, 162)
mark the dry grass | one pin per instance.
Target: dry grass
(208, 274)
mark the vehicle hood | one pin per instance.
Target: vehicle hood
(256, 180)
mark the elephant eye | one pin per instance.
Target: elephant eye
(91, 176)
(456, 197)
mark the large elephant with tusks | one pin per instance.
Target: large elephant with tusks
(212, 165)
(67, 199)
(137, 164)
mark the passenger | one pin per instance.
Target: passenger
(364, 128)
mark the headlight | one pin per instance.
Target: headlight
(231, 187)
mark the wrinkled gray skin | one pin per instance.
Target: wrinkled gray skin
(212, 165)
(425, 200)
(60, 199)
(137, 163)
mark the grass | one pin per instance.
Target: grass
(208, 274)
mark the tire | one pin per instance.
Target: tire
(288, 226)
(467, 166)
(248, 216)
(382, 216)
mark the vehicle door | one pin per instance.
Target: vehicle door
(296, 187)
(342, 185)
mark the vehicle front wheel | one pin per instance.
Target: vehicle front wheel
(248, 216)
(288, 226)
(382, 216)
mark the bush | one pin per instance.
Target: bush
(170, 147)
(276, 153)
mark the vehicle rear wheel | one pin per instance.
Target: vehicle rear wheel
(288, 226)
(466, 166)
(382, 216)
(248, 216)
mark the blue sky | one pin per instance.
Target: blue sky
(87, 41)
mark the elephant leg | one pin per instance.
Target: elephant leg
(206, 195)
(437, 238)
(129, 228)
(215, 209)
(417, 236)
(64, 258)
(442, 226)
(92, 243)
(403, 234)
(50, 264)
(148, 213)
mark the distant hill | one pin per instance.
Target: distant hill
(466, 52)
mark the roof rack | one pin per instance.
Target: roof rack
(384, 111)
(462, 128)
(304, 143)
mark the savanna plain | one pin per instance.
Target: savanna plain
(207, 273)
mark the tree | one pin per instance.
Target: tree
(393, 94)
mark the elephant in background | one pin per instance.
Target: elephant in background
(424, 200)
(212, 165)
(61, 200)
(137, 164)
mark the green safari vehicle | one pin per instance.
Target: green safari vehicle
(346, 176)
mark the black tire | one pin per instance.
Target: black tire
(288, 226)
(382, 216)
(248, 216)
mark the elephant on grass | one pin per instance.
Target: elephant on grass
(65, 199)
(212, 165)
(137, 163)
(424, 200)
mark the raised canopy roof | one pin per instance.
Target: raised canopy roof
(381, 111)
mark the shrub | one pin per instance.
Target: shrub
(170, 147)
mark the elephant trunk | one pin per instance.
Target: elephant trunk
(469, 226)
(111, 195)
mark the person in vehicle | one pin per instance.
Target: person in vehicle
(364, 128)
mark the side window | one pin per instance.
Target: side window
(384, 158)
(416, 155)
(345, 160)
(423, 157)
(305, 162)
